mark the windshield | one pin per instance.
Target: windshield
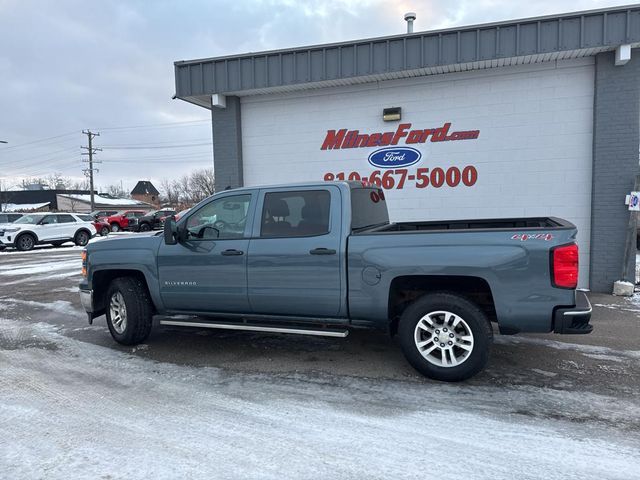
(30, 219)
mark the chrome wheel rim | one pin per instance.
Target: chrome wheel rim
(443, 338)
(118, 312)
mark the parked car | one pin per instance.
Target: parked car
(103, 228)
(322, 258)
(154, 220)
(46, 228)
(102, 213)
(9, 217)
(124, 220)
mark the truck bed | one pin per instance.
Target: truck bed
(546, 223)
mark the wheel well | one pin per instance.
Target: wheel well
(82, 230)
(102, 278)
(35, 237)
(404, 290)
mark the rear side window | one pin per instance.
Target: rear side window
(296, 214)
(65, 219)
(86, 218)
(368, 208)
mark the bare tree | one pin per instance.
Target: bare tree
(117, 191)
(188, 189)
(202, 183)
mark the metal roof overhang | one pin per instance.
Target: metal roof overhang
(533, 40)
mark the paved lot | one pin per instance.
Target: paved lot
(201, 402)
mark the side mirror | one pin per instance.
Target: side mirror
(170, 231)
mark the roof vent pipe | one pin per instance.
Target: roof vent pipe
(409, 17)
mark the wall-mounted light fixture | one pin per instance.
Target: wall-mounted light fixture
(391, 114)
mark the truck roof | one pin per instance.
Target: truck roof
(351, 184)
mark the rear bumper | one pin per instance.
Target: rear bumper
(574, 320)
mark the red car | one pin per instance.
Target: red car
(124, 220)
(102, 227)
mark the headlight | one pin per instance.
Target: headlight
(12, 229)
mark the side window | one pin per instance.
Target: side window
(295, 214)
(49, 219)
(86, 218)
(65, 219)
(222, 218)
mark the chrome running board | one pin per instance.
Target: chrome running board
(257, 328)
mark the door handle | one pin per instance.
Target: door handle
(322, 251)
(231, 252)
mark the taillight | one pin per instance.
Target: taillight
(564, 266)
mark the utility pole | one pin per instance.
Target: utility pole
(89, 171)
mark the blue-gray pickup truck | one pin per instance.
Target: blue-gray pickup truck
(324, 258)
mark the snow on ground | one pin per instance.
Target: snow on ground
(75, 410)
(585, 349)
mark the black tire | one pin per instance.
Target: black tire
(138, 308)
(104, 231)
(475, 320)
(82, 238)
(144, 227)
(25, 242)
(115, 227)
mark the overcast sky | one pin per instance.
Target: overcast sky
(69, 65)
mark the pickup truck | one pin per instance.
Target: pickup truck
(125, 220)
(323, 258)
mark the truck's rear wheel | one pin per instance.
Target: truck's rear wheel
(129, 311)
(445, 336)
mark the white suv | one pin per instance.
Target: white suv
(52, 228)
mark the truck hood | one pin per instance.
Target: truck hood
(129, 242)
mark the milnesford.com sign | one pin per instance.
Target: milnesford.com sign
(343, 138)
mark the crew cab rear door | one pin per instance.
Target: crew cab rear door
(294, 265)
(206, 271)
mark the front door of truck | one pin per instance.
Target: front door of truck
(294, 255)
(206, 270)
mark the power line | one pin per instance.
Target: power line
(157, 125)
(153, 144)
(27, 160)
(188, 145)
(12, 147)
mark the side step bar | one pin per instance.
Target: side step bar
(257, 328)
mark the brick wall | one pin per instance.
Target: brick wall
(615, 163)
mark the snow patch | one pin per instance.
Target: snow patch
(591, 349)
(21, 207)
(62, 409)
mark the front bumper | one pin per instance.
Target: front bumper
(86, 298)
(574, 320)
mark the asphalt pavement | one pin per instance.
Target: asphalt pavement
(588, 383)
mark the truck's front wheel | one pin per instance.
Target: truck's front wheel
(129, 311)
(445, 336)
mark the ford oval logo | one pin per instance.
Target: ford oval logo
(395, 157)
